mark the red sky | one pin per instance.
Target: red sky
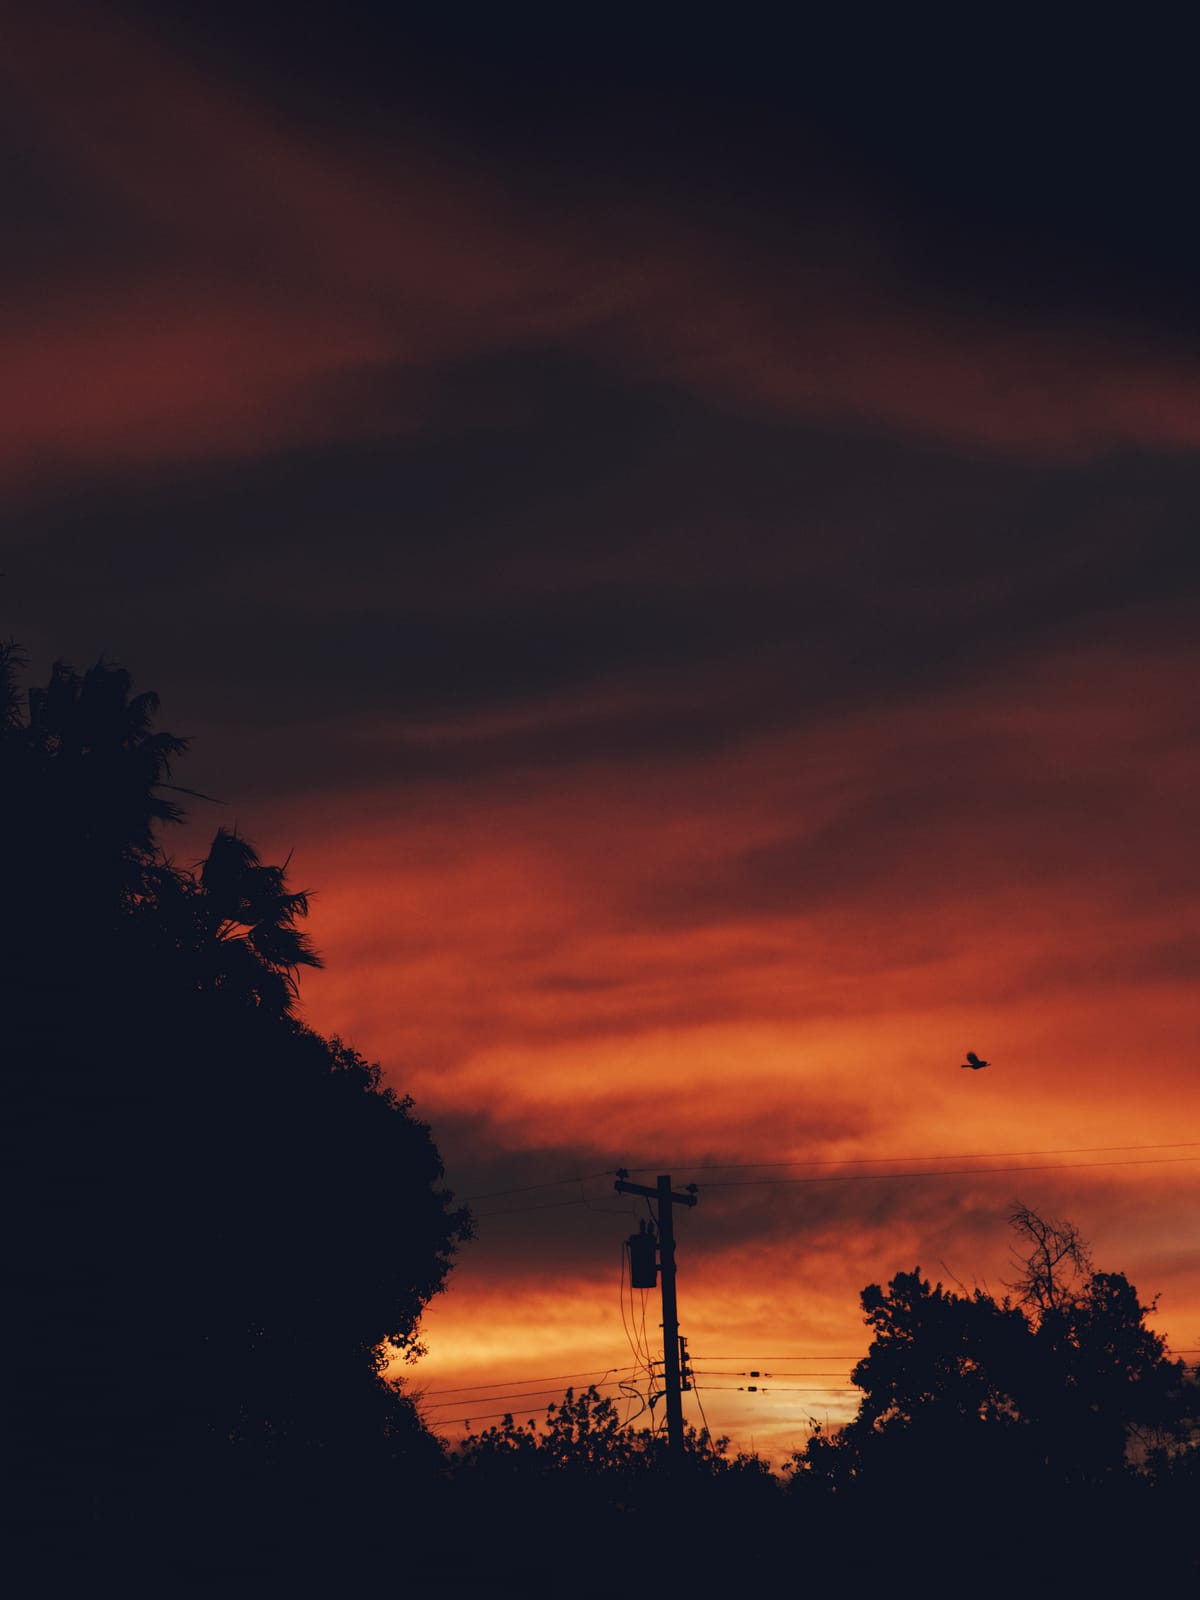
(707, 591)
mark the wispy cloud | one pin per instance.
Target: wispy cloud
(251, 275)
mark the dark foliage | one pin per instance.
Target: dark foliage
(218, 1220)
(1060, 1412)
(581, 1481)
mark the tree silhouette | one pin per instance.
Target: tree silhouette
(249, 905)
(1055, 1261)
(1058, 1389)
(942, 1386)
(583, 1435)
(1061, 1411)
(582, 1482)
(233, 923)
(90, 767)
(225, 1225)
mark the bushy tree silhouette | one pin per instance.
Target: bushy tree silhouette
(222, 1221)
(949, 1377)
(582, 1435)
(579, 1481)
(994, 1411)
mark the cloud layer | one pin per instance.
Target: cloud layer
(718, 646)
(219, 280)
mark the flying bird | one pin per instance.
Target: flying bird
(973, 1063)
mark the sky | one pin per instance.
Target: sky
(687, 533)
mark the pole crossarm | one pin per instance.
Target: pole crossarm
(622, 1186)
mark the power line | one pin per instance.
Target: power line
(954, 1155)
(752, 1359)
(538, 1377)
(550, 1205)
(949, 1172)
(768, 1389)
(833, 1372)
(638, 1345)
(642, 1366)
(526, 1394)
(712, 1449)
(824, 1388)
(553, 1183)
(741, 1388)
(748, 1166)
(707, 1430)
(631, 1393)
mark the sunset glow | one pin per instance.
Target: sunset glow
(716, 633)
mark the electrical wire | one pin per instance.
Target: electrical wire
(637, 1355)
(832, 1372)
(526, 1394)
(826, 1388)
(845, 1177)
(650, 1360)
(757, 1360)
(639, 1349)
(631, 1394)
(538, 1377)
(550, 1205)
(527, 1188)
(959, 1155)
(644, 1364)
(740, 1388)
(628, 1323)
(712, 1449)
(949, 1172)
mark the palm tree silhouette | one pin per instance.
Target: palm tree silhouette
(245, 917)
(86, 771)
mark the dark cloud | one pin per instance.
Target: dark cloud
(1025, 157)
(650, 576)
(290, 282)
(821, 1217)
(979, 818)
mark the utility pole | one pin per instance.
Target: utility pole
(670, 1314)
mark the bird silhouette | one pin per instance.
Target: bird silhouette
(973, 1063)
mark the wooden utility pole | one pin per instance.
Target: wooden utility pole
(670, 1315)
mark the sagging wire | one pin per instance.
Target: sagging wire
(641, 1364)
(525, 1394)
(549, 1377)
(712, 1448)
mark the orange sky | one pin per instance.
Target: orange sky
(690, 963)
(703, 578)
